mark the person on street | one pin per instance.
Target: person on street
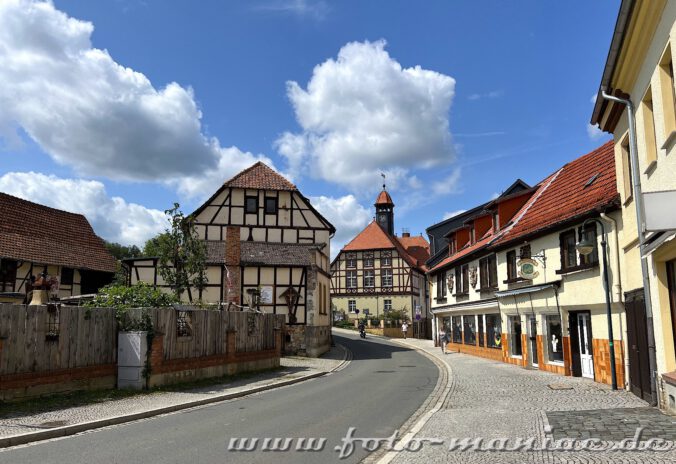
(444, 338)
(404, 328)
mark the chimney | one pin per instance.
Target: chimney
(232, 262)
(405, 233)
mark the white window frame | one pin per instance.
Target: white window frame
(351, 280)
(369, 278)
(386, 278)
(351, 306)
(387, 305)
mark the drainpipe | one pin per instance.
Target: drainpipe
(638, 198)
(617, 286)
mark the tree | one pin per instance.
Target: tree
(152, 246)
(182, 255)
(122, 251)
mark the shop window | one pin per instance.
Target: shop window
(649, 127)
(351, 279)
(666, 74)
(515, 336)
(470, 330)
(351, 260)
(8, 269)
(568, 251)
(441, 285)
(67, 275)
(493, 331)
(352, 306)
(386, 278)
(270, 205)
(251, 205)
(387, 305)
(626, 169)
(511, 265)
(480, 331)
(369, 278)
(456, 323)
(554, 339)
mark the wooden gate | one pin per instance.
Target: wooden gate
(637, 338)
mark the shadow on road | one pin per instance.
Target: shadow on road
(369, 348)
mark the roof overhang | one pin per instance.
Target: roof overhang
(525, 290)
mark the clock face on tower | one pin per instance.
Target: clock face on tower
(382, 219)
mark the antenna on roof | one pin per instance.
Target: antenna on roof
(383, 174)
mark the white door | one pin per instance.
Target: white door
(584, 339)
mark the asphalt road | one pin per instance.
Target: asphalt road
(376, 393)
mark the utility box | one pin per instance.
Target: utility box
(132, 349)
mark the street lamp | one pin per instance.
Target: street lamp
(585, 247)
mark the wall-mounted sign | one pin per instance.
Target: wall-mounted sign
(527, 268)
(266, 294)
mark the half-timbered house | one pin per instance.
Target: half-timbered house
(378, 271)
(36, 239)
(267, 247)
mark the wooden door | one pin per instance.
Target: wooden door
(637, 341)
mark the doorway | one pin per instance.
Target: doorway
(581, 344)
(533, 340)
(637, 341)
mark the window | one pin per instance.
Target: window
(480, 332)
(386, 258)
(493, 331)
(626, 169)
(67, 275)
(368, 259)
(554, 339)
(387, 305)
(441, 285)
(649, 127)
(488, 270)
(511, 265)
(250, 204)
(589, 233)
(270, 205)
(351, 260)
(351, 279)
(456, 323)
(666, 73)
(515, 336)
(7, 275)
(386, 278)
(351, 306)
(458, 280)
(369, 278)
(568, 251)
(470, 329)
(465, 279)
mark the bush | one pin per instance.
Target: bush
(398, 314)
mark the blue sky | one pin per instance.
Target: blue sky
(454, 100)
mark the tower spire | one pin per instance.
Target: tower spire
(385, 209)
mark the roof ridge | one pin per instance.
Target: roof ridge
(40, 205)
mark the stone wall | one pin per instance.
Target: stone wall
(311, 341)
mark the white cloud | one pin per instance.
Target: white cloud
(449, 184)
(111, 217)
(346, 215)
(317, 9)
(594, 132)
(453, 214)
(491, 94)
(91, 113)
(364, 111)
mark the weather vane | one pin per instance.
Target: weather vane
(383, 174)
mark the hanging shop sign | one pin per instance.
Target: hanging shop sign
(527, 268)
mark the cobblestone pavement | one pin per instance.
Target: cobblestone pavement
(292, 367)
(496, 401)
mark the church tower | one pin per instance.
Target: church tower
(385, 211)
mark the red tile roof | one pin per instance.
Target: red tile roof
(373, 237)
(260, 176)
(578, 188)
(37, 233)
(384, 198)
(414, 250)
(466, 250)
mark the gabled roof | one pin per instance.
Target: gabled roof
(260, 176)
(39, 234)
(373, 237)
(414, 250)
(579, 188)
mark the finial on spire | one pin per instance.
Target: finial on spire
(383, 174)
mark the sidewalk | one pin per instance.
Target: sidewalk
(494, 400)
(20, 428)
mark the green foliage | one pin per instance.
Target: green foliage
(182, 255)
(121, 251)
(152, 246)
(396, 314)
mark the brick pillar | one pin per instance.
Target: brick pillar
(231, 345)
(157, 351)
(232, 261)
